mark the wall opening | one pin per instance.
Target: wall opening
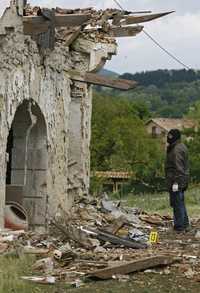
(27, 162)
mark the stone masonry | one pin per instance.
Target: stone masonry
(48, 117)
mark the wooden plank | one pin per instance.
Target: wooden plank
(131, 19)
(71, 20)
(38, 24)
(129, 31)
(133, 266)
(121, 84)
(92, 78)
(35, 25)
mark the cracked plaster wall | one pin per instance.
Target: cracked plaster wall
(25, 74)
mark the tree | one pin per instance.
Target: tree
(120, 140)
(194, 143)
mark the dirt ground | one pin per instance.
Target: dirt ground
(183, 276)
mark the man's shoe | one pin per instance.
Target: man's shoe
(179, 231)
(188, 229)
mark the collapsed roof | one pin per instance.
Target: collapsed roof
(51, 27)
(103, 24)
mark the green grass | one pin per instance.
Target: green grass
(12, 268)
(159, 203)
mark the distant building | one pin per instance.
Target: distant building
(159, 127)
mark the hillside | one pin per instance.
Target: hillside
(167, 93)
(160, 78)
(108, 73)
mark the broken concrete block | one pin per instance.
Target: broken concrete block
(45, 264)
(197, 235)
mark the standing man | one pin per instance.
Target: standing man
(177, 177)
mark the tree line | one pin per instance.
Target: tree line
(119, 137)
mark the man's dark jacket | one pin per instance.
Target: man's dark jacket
(176, 166)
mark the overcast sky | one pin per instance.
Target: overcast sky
(179, 33)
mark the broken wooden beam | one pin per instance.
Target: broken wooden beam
(128, 31)
(133, 266)
(116, 240)
(38, 24)
(71, 20)
(113, 239)
(121, 84)
(118, 31)
(131, 19)
(35, 25)
(96, 79)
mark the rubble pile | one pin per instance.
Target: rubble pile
(98, 17)
(94, 236)
(96, 28)
(100, 239)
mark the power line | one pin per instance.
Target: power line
(118, 3)
(165, 50)
(157, 43)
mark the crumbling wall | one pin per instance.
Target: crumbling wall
(25, 75)
(87, 56)
(43, 78)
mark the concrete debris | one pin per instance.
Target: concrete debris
(197, 235)
(64, 254)
(46, 265)
(109, 205)
(138, 235)
(87, 242)
(121, 278)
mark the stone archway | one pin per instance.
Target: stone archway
(26, 178)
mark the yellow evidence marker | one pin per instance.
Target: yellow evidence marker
(153, 237)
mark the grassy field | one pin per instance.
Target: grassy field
(12, 268)
(159, 203)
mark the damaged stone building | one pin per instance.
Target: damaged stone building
(48, 61)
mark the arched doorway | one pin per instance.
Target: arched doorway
(26, 178)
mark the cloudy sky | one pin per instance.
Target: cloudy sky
(179, 33)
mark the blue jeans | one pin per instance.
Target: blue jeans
(177, 202)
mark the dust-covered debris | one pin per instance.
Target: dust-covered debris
(87, 241)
